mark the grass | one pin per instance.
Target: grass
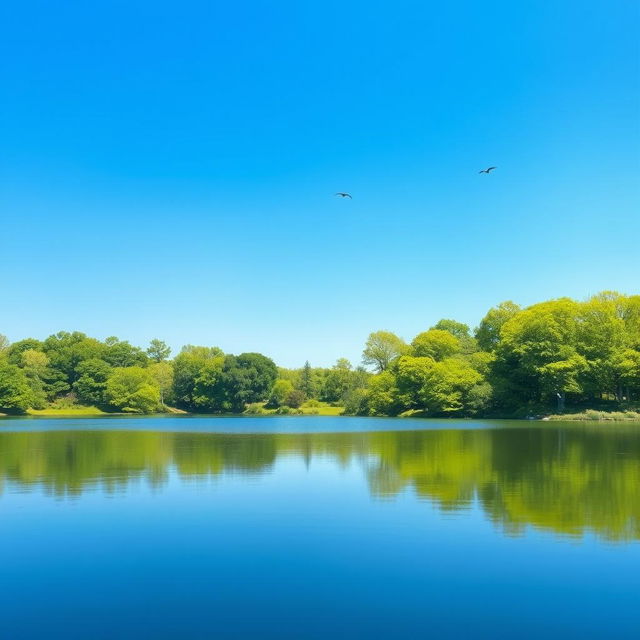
(312, 408)
(66, 411)
(590, 415)
(324, 410)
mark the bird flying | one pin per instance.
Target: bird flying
(489, 170)
(344, 195)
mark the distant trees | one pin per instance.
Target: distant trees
(518, 361)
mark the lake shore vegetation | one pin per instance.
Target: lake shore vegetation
(567, 359)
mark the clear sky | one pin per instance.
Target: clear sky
(168, 168)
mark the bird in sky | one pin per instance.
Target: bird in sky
(489, 170)
(342, 194)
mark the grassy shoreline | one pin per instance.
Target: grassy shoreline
(591, 415)
(588, 415)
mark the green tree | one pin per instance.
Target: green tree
(187, 367)
(294, 399)
(281, 389)
(457, 329)
(14, 351)
(382, 348)
(67, 350)
(306, 381)
(162, 373)
(119, 353)
(91, 385)
(488, 333)
(338, 381)
(15, 393)
(446, 386)
(35, 366)
(384, 398)
(536, 357)
(209, 393)
(158, 350)
(132, 389)
(435, 343)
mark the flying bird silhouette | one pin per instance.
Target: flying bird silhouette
(489, 170)
(344, 195)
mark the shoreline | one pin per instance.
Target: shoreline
(588, 416)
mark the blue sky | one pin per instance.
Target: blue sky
(167, 169)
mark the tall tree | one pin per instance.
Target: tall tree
(381, 348)
(306, 380)
(158, 350)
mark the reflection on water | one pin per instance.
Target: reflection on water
(566, 480)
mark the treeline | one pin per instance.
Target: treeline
(518, 361)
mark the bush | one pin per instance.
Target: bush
(295, 399)
(255, 409)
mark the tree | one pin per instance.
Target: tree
(208, 388)
(536, 356)
(229, 383)
(294, 399)
(306, 380)
(384, 398)
(158, 350)
(447, 386)
(381, 348)
(281, 389)
(90, 387)
(488, 333)
(35, 366)
(162, 373)
(132, 389)
(601, 339)
(187, 367)
(338, 381)
(120, 353)
(15, 393)
(249, 378)
(4, 345)
(457, 329)
(67, 350)
(435, 343)
(14, 352)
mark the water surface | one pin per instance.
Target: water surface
(318, 527)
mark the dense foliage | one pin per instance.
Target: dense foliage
(517, 362)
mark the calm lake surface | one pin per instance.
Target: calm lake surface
(318, 527)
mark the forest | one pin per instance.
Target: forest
(550, 357)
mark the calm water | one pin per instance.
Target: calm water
(317, 528)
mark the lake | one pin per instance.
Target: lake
(318, 527)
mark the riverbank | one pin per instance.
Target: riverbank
(591, 415)
(323, 409)
(258, 409)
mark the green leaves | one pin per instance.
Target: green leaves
(381, 348)
(132, 389)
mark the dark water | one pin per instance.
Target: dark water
(318, 528)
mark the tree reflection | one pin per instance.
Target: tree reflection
(568, 480)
